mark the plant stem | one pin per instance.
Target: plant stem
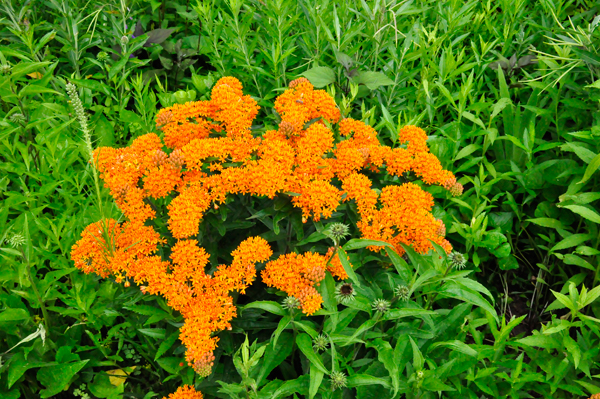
(37, 292)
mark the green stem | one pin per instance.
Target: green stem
(37, 293)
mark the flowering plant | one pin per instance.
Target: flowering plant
(209, 158)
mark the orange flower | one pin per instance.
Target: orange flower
(185, 392)
(213, 155)
(297, 275)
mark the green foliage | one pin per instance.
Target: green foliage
(509, 92)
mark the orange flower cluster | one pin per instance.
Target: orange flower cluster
(297, 275)
(210, 153)
(185, 392)
(127, 251)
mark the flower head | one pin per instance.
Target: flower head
(18, 118)
(344, 293)
(338, 380)
(16, 240)
(320, 343)
(5, 69)
(336, 232)
(291, 303)
(381, 305)
(457, 260)
(402, 292)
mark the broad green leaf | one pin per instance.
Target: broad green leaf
(373, 80)
(304, 343)
(320, 76)
(13, 315)
(18, 366)
(56, 378)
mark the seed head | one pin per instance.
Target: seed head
(457, 260)
(402, 292)
(102, 56)
(16, 240)
(5, 69)
(336, 232)
(338, 380)
(320, 343)
(380, 305)
(344, 293)
(291, 303)
(18, 118)
(124, 40)
(457, 190)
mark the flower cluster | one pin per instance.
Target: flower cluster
(185, 392)
(208, 154)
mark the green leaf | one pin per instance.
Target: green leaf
(347, 267)
(584, 212)
(565, 300)
(358, 380)
(373, 80)
(572, 347)
(283, 323)
(541, 341)
(418, 360)
(571, 241)
(403, 269)
(269, 306)
(395, 314)
(275, 354)
(320, 76)
(466, 151)
(56, 378)
(547, 222)
(591, 169)
(158, 333)
(316, 377)
(456, 345)
(357, 243)
(13, 315)
(18, 366)
(290, 387)
(36, 89)
(166, 344)
(25, 68)
(93, 85)
(452, 289)
(117, 66)
(305, 345)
